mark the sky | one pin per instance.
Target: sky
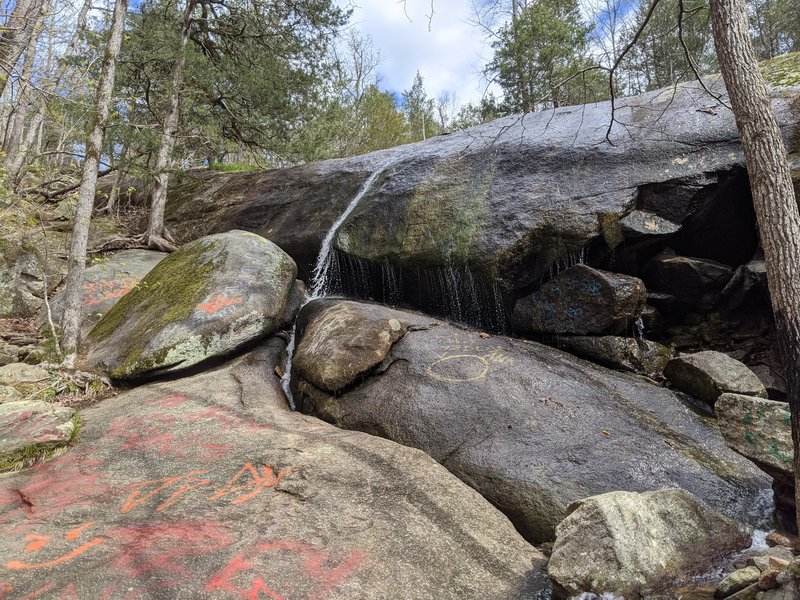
(449, 56)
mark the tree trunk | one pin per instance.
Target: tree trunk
(773, 193)
(16, 123)
(156, 235)
(71, 319)
(15, 36)
(15, 164)
(113, 195)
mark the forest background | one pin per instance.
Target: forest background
(269, 84)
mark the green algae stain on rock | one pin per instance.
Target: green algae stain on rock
(207, 299)
(439, 223)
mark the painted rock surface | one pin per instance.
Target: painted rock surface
(581, 301)
(532, 428)
(209, 487)
(207, 299)
(105, 283)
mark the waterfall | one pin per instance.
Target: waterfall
(639, 326)
(286, 378)
(319, 280)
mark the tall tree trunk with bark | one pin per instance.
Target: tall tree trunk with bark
(16, 33)
(157, 236)
(15, 163)
(71, 319)
(16, 123)
(773, 193)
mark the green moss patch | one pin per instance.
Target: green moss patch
(168, 294)
(782, 71)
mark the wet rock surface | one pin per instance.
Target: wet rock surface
(757, 428)
(581, 301)
(707, 375)
(207, 299)
(761, 430)
(293, 207)
(209, 487)
(532, 428)
(105, 283)
(511, 199)
(633, 544)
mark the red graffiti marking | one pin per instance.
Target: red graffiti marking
(38, 542)
(38, 592)
(149, 548)
(143, 435)
(70, 593)
(188, 482)
(227, 417)
(168, 400)
(212, 451)
(258, 483)
(106, 289)
(151, 435)
(5, 589)
(313, 565)
(217, 303)
(55, 486)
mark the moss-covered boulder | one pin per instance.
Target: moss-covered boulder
(207, 299)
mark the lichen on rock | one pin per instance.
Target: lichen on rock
(207, 299)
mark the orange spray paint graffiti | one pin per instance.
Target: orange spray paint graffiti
(36, 543)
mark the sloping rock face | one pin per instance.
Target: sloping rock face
(209, 487)
(633, 545)
(531, 428)
(503, 203)
(105, 283)
(293, 207)
(207, 299)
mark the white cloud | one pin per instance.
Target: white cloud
(448, 52)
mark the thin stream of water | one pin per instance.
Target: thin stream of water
(319, 279)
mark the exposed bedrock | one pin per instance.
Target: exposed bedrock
(486, 213)
(210, 487)
(531, 428)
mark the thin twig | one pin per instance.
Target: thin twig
(52, 326)
(690, 59)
